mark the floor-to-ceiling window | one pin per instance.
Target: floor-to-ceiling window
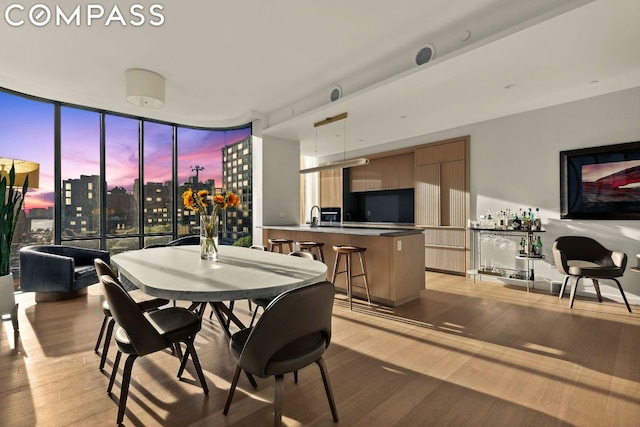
(27, 133)
(107, 180)
(80, 176)
(158, 187)
(122, 171)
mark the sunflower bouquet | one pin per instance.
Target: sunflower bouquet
(209, 211)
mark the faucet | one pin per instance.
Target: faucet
(315, 220)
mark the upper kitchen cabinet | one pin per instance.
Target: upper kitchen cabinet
(331, 188)
(442, 183)
(384, 173)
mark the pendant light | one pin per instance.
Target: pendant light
(340, 164)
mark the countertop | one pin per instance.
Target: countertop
(352, 230)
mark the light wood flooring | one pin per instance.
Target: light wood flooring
(464, 354)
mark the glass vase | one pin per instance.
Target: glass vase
(209, 237)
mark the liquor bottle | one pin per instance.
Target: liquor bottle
(522, 246)
(539, 247)
(538, 221)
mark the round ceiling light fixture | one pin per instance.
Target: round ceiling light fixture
(145, 88)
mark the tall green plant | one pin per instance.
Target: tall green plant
(10, 207)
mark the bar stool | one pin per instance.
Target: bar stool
(278, 243)
(346, 252)
(310, 246)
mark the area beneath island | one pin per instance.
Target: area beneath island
(394, 258)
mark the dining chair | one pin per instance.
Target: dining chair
(143, 301)
(580, 257)
(140, 334)
(264, 302)
(293, 332)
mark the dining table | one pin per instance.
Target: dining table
(178, 273)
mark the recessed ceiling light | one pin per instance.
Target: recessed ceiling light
(593, 82)
(466, 35)
(403, 117)
(510, 86)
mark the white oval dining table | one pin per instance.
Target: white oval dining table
(178, 273)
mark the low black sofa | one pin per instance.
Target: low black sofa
(58, 272)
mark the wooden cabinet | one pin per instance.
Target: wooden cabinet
(331, 188)
(383, 173)
(442, 203)
(394, 264)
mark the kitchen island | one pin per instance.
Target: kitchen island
(394, 257)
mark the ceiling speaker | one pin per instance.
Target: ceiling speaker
(336, 93)
(426, 54)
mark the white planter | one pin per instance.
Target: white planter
(7, 297)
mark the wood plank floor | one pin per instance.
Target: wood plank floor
(464, 354)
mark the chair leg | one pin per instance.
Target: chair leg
(107, 341)
(574, 285)
(196, 362)
(124, 389)
(596, 285)
(102, 328)
(277, 401)
(564, 285)
(183, 361)
(232, 389)
(623, 295)
(112, 378)
(327, 388)
(253, 318)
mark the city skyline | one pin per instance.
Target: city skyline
(27, 132)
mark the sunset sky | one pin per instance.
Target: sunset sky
(27, 132)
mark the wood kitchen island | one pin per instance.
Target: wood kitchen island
(394, 257)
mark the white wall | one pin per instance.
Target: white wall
(278, 182)
(515, 164)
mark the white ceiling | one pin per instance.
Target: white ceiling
(226, 63)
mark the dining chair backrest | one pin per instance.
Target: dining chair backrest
(304, 254)
(185, 241)
(144, 338)
(103, 269)
(294, 323)
(579, 248)
(259, 247)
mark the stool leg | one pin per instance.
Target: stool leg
(364, 271)
(335, 269)
(290, 247)
(349, 281)
(320, 254)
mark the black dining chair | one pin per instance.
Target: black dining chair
(264, 302)
(292, 333)
(144, 302)
(580, 257)
(140, 334)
